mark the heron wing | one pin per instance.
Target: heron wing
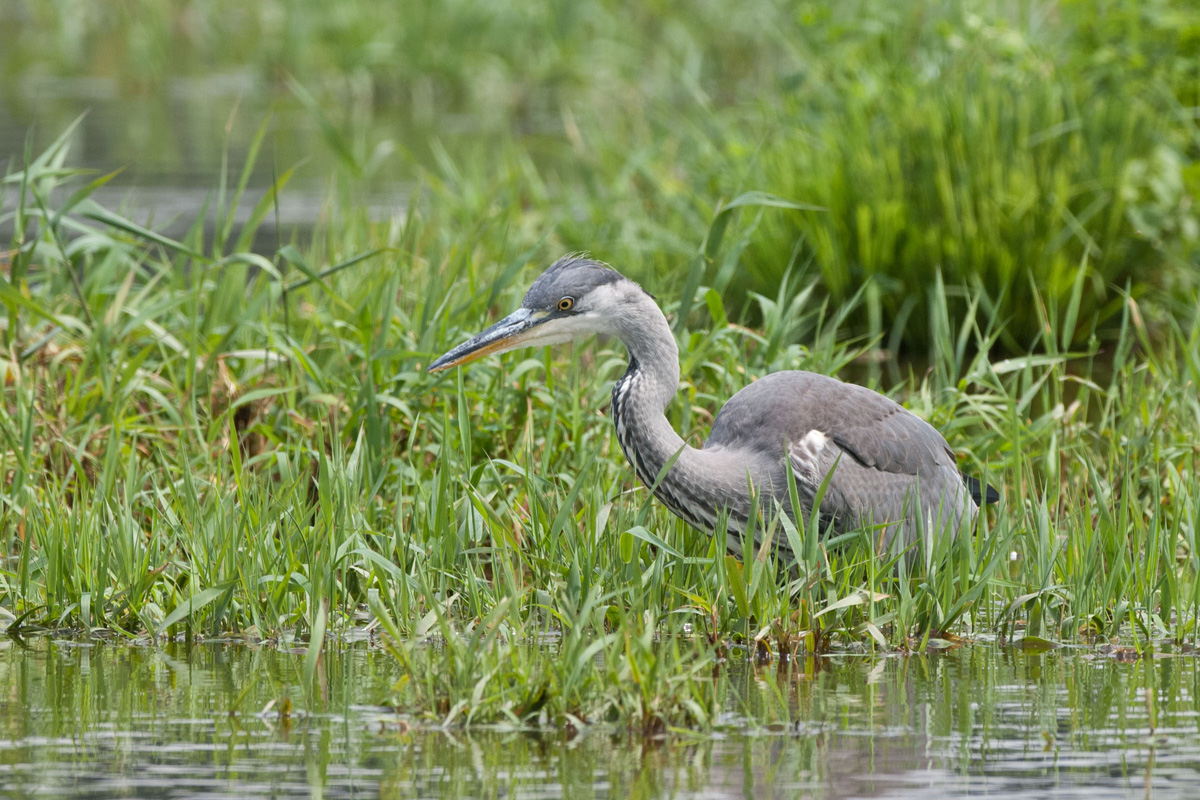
(777, 412)
(878, 451)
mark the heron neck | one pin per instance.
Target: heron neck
(643, 392)
(654, 355)
(639, 399)
(702, 485)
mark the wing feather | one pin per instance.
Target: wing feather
(779, 410)
(893, 469)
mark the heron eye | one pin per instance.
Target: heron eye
(566, 303)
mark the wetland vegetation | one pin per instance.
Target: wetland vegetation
(987, 210)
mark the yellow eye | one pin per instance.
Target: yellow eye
(566, 303)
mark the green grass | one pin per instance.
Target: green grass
(199, 442)
(196, 440)
(997, 144)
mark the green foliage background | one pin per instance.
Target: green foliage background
(198, 439)
(996, 144)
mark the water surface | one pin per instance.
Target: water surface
(99, 720)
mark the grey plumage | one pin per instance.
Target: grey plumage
(890, 469)
(568, 277)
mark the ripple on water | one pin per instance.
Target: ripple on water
(186, 722)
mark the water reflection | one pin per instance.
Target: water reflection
(166, 184)
(92, 720)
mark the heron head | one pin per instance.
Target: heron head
(574, 298)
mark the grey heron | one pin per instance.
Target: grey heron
(890, 469)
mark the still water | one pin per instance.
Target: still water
(99, 720)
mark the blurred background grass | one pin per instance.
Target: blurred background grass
(1022, 151)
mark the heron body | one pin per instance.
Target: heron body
(891, 470)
